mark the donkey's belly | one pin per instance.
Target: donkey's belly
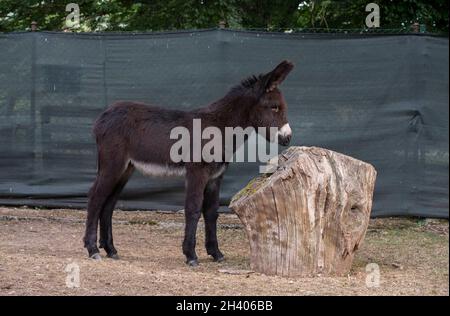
(159, 170)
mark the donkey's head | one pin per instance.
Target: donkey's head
(270, 109)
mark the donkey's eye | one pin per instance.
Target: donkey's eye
(275, 108)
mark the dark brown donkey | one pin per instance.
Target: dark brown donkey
(133, 135)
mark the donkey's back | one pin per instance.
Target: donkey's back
(139, 133)
(128, 117)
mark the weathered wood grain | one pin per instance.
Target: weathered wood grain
(309, 216)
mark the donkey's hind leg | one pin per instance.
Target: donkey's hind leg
(106, 237)
(108, 175)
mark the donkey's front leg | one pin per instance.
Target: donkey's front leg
(195, 185)
(210, 206)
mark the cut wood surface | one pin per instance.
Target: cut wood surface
(310, 215)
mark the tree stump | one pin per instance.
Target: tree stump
(309, 216)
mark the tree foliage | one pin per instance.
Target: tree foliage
(156, 15)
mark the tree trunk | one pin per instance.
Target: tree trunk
(310, 215)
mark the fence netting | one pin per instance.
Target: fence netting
(382, 99)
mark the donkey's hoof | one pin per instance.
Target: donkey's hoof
(95, 256)
(219, 258)
(192, 263)
(114, 256)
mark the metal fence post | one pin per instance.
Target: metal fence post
(34, 118)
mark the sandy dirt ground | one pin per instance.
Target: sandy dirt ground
(41, 250)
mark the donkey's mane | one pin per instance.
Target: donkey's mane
(245, 85)
(244, 88)
(249, 82)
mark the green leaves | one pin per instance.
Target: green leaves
(156, 15)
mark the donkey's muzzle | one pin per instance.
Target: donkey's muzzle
(284, 135)
(284, 140)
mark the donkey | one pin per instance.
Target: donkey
(132, 135)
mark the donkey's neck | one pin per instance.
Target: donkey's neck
(230, 111)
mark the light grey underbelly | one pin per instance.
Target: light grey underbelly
(161, 170)
(158, 170)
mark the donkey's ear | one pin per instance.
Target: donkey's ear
(272, 79)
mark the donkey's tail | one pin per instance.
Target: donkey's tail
(98, 157)
(99, 131)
